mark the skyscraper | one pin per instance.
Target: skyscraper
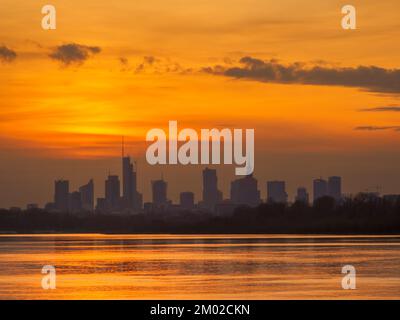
(132, 199)
(335, 187)
(320, 188)
(276, 191)
(302, 195)
(61, 194)
(159, 189)
(74, 202)
(87, 196)
(211, 194)
(245, 191)
(112, 192)
(187, 200)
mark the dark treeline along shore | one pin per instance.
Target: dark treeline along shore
(358, 215)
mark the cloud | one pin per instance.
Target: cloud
(158, 65)
(381, 109)
(7, 55)
(148, 61)
(378, 128)
(370, 78)
(73, 53)
(124, 61)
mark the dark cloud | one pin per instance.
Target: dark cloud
(7, 55)
(370, 78)
(124, 61)
(73, 53)
(147, 62)
(378, 128)
(382, 109)
(157, 65)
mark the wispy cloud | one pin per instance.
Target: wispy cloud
(152, 65)
(124, 63)
(382, 109)
(7, 55)
(73, 53)
(378, 128)
(148, 61)
(370, 78)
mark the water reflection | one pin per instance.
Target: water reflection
(199, 267)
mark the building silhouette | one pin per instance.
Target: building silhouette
(244, 191)
(186, 200)
(112, 188)
(74, 202)
(131, 198)
(87, 196)
(101, 205)
(159, 193)
(276, 192)
(335, 187)
(302, 195)
(320, 189)
(61, 195)
(211, 194)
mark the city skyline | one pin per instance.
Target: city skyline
(244, 191)
(129, 169)
(123, 195)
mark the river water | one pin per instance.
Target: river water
(93, 266)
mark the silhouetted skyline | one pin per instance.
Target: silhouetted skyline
(243, 191)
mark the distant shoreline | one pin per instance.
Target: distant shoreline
(66, 232)
(359, 216)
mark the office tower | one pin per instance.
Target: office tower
(112, 192)
(87, 196)
(187, 200)
(335, 188)
(320, 188)
(302, 195)
(276, 192)
(74, 202)
(132, 199)
(159, 188)
(61, 195)
(211, 194)
(245, 191)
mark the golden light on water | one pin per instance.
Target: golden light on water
(199, 267)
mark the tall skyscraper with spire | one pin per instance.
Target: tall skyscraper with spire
(132, 199)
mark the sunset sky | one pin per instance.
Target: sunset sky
(322, 100)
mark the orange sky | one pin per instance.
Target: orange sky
(79, 111)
